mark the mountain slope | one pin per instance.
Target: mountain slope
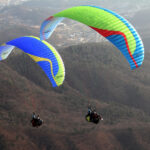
(103, 73)
(91, 70)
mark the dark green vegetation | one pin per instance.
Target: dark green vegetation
(95, 73)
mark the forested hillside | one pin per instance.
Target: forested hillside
(96, 74)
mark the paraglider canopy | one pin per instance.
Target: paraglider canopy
(42, 53)
(107, 23)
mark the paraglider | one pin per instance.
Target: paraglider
(36, 121)
(107, 23)
(42, 53)
(93, 116)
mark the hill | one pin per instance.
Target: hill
(103, 73)
(95, 73)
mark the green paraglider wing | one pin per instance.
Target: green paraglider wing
(107, 23)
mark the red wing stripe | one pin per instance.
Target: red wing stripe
(107, 33)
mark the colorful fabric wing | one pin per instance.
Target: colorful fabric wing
(5, 50)
(41, 52)
(107, 23)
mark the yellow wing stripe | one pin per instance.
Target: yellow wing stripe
(37, 59)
